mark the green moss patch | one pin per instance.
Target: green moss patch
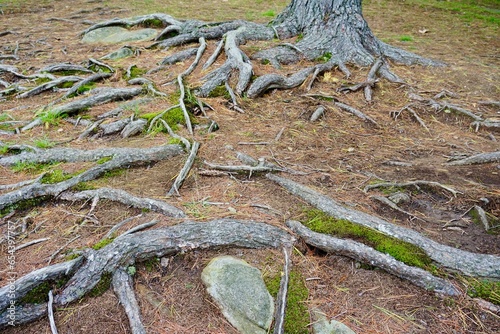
(40, 294)
(220, 91)
(102, 243)
(297, 314)
(173, 118)
(405, 252)
(31, 167)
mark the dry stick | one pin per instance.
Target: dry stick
(355, 112)
(214, 55)
(123, 287)
(30, 243)
(412, 183)
(472, 264)
(117, 226)
(185, 170)
(368, 255)
(139, 228)
(201, 49)
(481, 158)
(419, 120)
(281, 298)
(53, 327)
(60, 249)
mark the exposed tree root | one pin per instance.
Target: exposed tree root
(482, 158)
(125, 198)
(77, 155)
(473, 264)
(125, 251)
(185, 170)
(368, 255)
(39, 190)
(48, 85)
(123, 287)
(415, 184)
(281, 298)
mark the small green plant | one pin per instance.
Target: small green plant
(114, 172)
(405, 252)
(269, 13)
(300, 37)
(151, 263)
(297, 316)
(103, 243)
(31, 167)
(481, 288)
(49, 117)
(153, 23)
(131, 270)
(135, 72)
(325, 57)
(43, 143)
(55, 176)
(406, 38)
(103, 160)
(82, 186)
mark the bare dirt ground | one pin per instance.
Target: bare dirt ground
(340, 154)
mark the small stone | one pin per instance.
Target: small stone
(119, 54)
(322, 326)
(399, 197)
(239, 291)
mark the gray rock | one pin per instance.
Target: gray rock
(112, 35)
(119, 54)
(322, 326)
(399, 197)
(240, 293)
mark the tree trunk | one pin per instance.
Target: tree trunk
(332, 29)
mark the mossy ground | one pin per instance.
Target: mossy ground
(297, 314)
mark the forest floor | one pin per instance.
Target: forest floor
(340, 154)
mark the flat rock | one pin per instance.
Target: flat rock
(239, 291)
(112, 35)
(323, 326)
(119, 54)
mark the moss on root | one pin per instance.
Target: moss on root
(297, 314)
(403, 251)
(40, 294)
